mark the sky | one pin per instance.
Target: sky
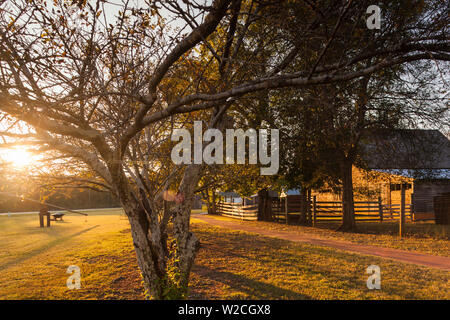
(22, 158)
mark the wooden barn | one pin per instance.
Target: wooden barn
(417, 161)
(422, 156)
(424, 196)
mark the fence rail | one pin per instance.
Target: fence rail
(327, 211)
(318, 211)
(237, 210)
(392, 212)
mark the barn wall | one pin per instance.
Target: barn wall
(368, 186)
(425, 191)
(326, 195)
(396, 196)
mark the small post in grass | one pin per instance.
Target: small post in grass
(402, 211)
(44, 212)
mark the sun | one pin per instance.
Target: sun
(18, 157)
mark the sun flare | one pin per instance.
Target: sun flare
(18, 157)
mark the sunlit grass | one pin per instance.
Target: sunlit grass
(230, 264)
(33, 260)
(239, 265)
(421, 237)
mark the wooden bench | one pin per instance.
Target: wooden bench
(57, 215)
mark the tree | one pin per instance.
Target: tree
(103, 92)
(326, 125)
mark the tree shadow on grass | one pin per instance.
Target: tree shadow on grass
(252, 288)
(285, 256)
(298, 261)
(50, 244)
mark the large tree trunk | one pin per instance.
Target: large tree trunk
(264, 206)
(165, 262)
(165, 267)
(211, 202)
(348, 214)
(214, 202)
(187, 243)
(153, 278)
(150, 253)
(149, 246)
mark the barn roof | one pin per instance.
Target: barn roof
(271, 193)
(407, 149)
(230, 194)
(420, 174)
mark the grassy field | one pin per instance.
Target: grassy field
(423, 237)
(33, 261)
(230, 265)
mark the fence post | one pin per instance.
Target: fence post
(402, 211)
(314, 211)
(41, 220)
(380, 209)
(309, 212)
(286, 209)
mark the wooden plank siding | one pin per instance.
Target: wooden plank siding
(424, 193)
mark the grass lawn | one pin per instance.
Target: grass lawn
(423, 237)
(230, 265)
(33, 261)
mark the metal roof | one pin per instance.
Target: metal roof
(407, 149)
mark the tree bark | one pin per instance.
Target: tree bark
(150, 252)
(187, 244)
(348, 211)
(147, 260)
(264, 206)
(211, 202)
(214, 203)
(164, 268)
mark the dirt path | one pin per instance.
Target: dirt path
(427, 260)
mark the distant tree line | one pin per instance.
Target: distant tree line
(77, 199)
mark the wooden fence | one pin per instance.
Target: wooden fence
(291, 212)
(327, 211)
(392, 212)
(317, 211)
(237, 210)
(364, 211)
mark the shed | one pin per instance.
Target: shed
(423, 155)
